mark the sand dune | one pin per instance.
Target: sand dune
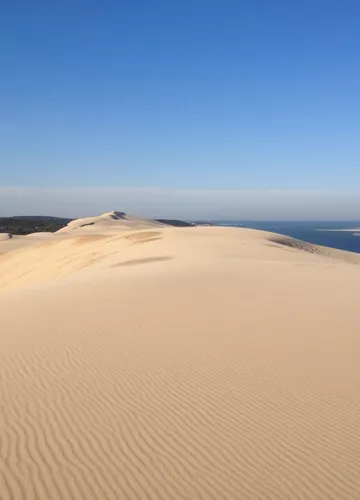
(110, 222)
(153, 362)
(9, 242)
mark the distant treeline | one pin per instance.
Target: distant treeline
(28, 224)
(176, 223)
(36, 224)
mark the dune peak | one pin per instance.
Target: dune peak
(112, 222)
(114, 214)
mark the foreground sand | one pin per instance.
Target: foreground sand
(197, 363)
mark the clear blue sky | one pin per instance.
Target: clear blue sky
(190, 94)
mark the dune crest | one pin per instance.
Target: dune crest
(109, 222)
(140, 361)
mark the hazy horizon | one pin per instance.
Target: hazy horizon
(276, 205)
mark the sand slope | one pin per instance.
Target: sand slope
(168, 363)
(110, 222)
(9, 242)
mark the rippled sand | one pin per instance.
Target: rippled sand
(146, 362)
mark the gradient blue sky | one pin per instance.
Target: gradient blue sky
(181, 95)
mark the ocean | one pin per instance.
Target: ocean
(308, 231)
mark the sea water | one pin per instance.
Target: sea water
(320, 233)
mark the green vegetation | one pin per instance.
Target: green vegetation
(173, 222)
(35, 224)
(29, 224)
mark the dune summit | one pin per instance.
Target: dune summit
(143, 361)
(111, 221)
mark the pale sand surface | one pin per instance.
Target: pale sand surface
(10, 242)
(109, 222)
(179, 363)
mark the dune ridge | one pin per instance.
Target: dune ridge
(152, 362)
(110, 221)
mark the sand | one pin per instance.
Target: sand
(10, 242)
(178, 363)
